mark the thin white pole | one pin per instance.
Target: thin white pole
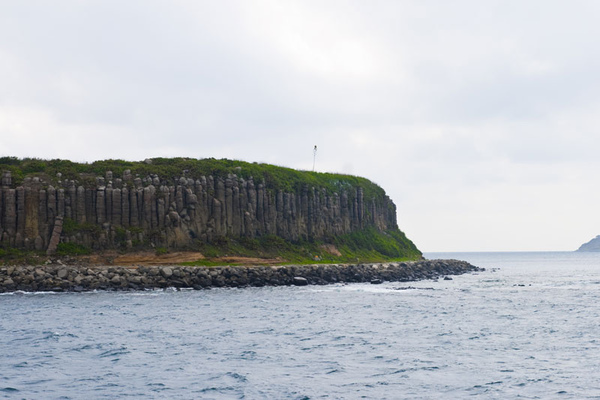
(314, 157)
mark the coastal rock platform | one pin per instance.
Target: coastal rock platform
(77, 278)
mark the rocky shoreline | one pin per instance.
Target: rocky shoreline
(74, 278)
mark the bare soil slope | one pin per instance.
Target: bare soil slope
(151, 258)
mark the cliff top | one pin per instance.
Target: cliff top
(170, 169)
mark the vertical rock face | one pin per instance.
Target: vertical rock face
(31, 212)
(55, 238)
(177, 212)
(9, 214)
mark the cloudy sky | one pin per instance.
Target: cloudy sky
(479, 118)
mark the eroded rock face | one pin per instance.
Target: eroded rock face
(177, 212)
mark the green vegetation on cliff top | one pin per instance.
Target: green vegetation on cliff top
(274, 177)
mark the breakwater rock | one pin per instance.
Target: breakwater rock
(85, 278)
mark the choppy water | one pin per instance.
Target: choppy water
(529, 330)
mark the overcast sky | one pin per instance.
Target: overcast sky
(479, 118)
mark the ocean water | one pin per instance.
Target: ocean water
(527, 328)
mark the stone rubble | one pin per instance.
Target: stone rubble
(57, 277)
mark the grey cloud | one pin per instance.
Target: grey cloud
(510, 85)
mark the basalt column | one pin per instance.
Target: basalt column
(179, 212)
(19, 238)
(31, 213)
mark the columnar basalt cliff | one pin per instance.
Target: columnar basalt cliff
(109, 211)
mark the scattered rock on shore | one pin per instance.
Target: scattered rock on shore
(84, 278)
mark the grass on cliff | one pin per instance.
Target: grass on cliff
(274, 177)
(13, 256)
(368, 245)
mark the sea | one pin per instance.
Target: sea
(528, 327)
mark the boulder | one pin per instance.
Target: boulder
(300, 281)
(166, 272)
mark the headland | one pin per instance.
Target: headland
(198, 215)
(215, 207)
(591, 246)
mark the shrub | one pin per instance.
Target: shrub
(161, 250)
(70, 226)
(72, 249)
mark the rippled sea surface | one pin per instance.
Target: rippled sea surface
(528, 328)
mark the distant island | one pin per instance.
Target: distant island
(592, 245)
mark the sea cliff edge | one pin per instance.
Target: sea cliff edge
(76, 278)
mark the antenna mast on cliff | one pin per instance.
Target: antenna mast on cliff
(314, 157)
